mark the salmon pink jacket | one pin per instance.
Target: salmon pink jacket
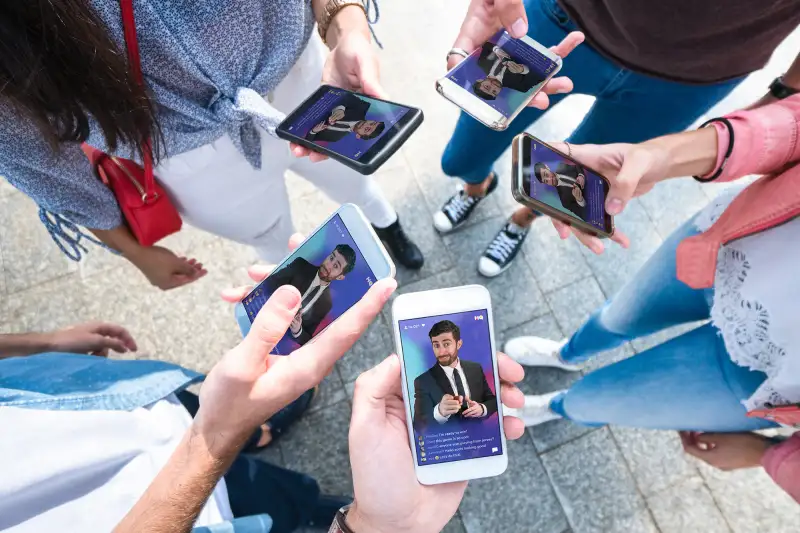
(766, 142)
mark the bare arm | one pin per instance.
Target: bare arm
(350, 18)
(792, 76)
(24, 344)
(180, 490)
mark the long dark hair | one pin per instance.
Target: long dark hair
(59, 66)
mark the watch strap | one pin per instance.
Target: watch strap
(339, 524)
(332, 9)
(780, 90)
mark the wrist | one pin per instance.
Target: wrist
(348, 19)
(692, 153)
(358, 523)
(219, 445)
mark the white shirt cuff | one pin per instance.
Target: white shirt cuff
(439, 416)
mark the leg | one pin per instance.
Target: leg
(255, 487)
(652, 301)
(217, 190)
(688, 383)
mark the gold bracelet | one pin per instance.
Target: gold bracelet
(332, 8)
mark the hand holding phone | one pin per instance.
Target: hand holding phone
(359, 131)
(332, 269)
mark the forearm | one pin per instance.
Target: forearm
(792, 76)
(690, 153)
(176, 496)
(122, 240)
(349, 18)
(25, 344)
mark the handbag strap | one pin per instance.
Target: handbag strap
(135, 64)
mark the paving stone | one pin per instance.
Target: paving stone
(573, 304)
(593, 484)
(672, 203)
(555, 263)
(317, 445)
(687, 508)
(522, 498)
(751, 501)
(331, 391)
(545, 380)
(655, 458)
(616, 266)
(455, 525)
(30, 256)
(515, 294)
(372, 348)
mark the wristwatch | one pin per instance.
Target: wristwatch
(340, 521)
(332, 9)
(780, 90)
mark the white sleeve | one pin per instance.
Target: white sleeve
(439, 416)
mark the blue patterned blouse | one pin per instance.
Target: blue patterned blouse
(206, 62)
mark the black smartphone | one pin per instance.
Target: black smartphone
(359, 131)
(553, 183)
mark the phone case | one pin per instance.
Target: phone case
(363, 167)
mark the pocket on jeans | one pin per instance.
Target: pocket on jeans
(555, 13)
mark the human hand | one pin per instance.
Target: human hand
(336, 116)
(248, 385)
(485, 17)
(164, 269)
(319, 127)
(577, 194)
(94, 338)
(473, 410)
(581, 180)
(297, 323)
(388, 496)
(726, 451)
(449, 405)
(516, 68)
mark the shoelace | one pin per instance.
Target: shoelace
(502, 246)
(459, 204)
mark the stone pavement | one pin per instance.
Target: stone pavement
(562, 478)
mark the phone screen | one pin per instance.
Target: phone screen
(347, 123)
(331, 275)
(451, 386)
(504, 72)
(566, 185)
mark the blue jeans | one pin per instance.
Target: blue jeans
(630, 107)
(687, 383)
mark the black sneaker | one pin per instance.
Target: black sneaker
(502, 250)
(400, 246)
(459, 207)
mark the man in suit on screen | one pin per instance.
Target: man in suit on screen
(453, 389)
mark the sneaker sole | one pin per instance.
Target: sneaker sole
(490, 276)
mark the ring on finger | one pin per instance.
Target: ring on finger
(457, 51)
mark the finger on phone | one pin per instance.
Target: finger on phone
(509, 369)
(560, 85)
(514, 427)
(591, 242)
(295, 241)
(561, 228)
(570, 43)
(621, 239)
(511, 396)
(540, 101)
(236, 294)
(259, 273)
(317, 157)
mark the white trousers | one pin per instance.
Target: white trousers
(217, 190)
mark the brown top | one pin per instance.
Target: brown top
(694, 41)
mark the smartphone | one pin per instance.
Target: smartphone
(333, 269)
(451, 388)
(552, 183)
(356, 130)
(497, 81)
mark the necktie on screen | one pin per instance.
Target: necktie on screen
(460, 388)
(309, 298)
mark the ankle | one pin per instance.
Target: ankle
(479, 189)
(523, 217)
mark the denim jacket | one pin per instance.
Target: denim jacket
(60, 381)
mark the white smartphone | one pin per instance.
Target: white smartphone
(451, 387)
(497, 81)
(333, 269)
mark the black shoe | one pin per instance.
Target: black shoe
(326, 509)
(502, 250)
(400, 246)
(282, 421)
(457, 209)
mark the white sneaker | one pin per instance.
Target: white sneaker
(537, 409)
(538, 351)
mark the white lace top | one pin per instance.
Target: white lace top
(756, 303)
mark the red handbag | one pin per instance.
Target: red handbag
(147, 209)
